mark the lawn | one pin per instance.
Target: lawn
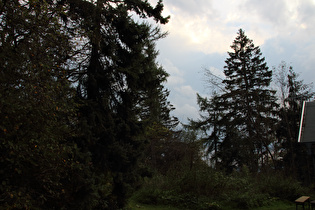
(133, 205)
(277, 205)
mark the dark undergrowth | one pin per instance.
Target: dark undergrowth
(206, 188)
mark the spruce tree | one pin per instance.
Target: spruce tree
(240, 118)
(249, 103)
(119, 86)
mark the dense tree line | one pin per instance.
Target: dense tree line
(80, 92)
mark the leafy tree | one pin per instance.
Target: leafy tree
(50, 157)
(36, 110)
(165, 150)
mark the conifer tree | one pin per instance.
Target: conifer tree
(241, 117)
(50, 157)
(119, 85)
(249, 103)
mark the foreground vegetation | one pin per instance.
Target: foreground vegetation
(206, 188)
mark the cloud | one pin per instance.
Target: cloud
(274, 12)
(186, 91)
(184, 99)
(175, 75)
(211, 26)
(191, 7)
(185, 112)
(293, 41)
(193, 26)
(306, 12)
(201, 32)
(182, 96)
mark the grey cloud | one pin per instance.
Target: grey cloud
(306, 13)
(275, 12)
(297, 53)
(192, 7)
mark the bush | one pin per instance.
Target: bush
(241, 190)
(277, 185)
(206, 188)
(249, 199)
(161, 191)
(147, 196)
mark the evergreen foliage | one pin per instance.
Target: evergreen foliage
(36, 109)
(242, 117)
(210, 122)
(62, 148)
(85, 116)
(121, 90)
(249, 102)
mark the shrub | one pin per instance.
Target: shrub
(277, 185)
(249, 199)
(207, 189)
(242, 191)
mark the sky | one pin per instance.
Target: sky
(200, 33)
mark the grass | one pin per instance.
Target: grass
(277, 205)
(133, 205)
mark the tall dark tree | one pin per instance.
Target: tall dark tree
(242, 116)
(249, 102)
(119, 85)
(51, 158)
